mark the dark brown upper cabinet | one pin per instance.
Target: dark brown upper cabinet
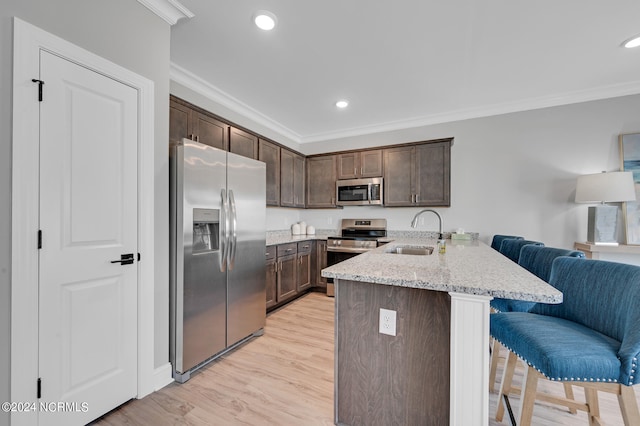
(352, 165)
(292, 179)
(269, 153)
(418, 175)
(321, 181)
(186, 122)
(243, 143)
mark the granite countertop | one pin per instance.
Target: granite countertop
(284, 237)
(470, 267)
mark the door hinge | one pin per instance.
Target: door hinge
(39, 388)
(40, 84)
(39, 239)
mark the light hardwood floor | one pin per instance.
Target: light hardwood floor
(286, 378)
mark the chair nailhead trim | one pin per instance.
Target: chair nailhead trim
(591, 379)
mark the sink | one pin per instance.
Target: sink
(411, 250)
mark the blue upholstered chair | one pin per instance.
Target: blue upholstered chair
(591, 340)
(511, 247)
(497, 240)
(537, 260)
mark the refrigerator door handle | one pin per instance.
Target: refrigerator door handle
(224, 231)
(234, 229)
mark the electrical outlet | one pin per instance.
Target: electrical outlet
(387, 322)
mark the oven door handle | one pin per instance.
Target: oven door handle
(348, 249)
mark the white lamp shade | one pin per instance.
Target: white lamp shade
(605, 187)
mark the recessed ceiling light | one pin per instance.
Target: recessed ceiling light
(632, 42)
(342, 103)
(265, 20)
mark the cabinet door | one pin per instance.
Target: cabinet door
(304, 271)
(398, 176)
(243, 143)
(270, 154)
(348, 167)
(287, 197)
(209, 131)
(321, 181)
(321, 261)
(271, 282)
(287, 277)
(432, 163)
(298, 181)
(179, 121)
(371, 163)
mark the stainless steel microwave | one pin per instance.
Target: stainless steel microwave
(359, 192)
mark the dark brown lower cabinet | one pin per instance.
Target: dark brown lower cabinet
(287, 282)
(321, 263)
(304, 265)
(287, 277)
(292, 269)
(272, 276)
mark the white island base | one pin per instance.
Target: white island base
(469, 397)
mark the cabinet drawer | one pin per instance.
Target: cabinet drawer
(304, 246)
(270, 253)
(285, 249)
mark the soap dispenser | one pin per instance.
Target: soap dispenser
(442, 244)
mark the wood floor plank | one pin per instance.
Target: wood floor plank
(286, 378)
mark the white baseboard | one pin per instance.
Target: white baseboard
(162, 376)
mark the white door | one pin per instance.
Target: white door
(88, 218)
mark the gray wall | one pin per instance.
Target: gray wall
(128, 34)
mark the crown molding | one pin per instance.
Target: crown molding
(599, 93)
(169, 10)
(197, 84)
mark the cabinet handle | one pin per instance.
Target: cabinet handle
(305, 247)
(288, 249)
(333, 200)
(275, 267)
(361, 171)
(355, 171)
(417, 198)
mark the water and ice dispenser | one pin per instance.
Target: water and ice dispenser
(206, 227)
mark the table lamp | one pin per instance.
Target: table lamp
(602, 188)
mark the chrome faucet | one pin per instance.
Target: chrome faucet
(441, 241)
(414, 222)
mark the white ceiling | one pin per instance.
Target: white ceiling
(403, 63)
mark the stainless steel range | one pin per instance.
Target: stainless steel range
(356, 236)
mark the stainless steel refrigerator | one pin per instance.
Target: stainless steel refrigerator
(217, 246)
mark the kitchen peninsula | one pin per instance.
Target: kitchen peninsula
(434, 368)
